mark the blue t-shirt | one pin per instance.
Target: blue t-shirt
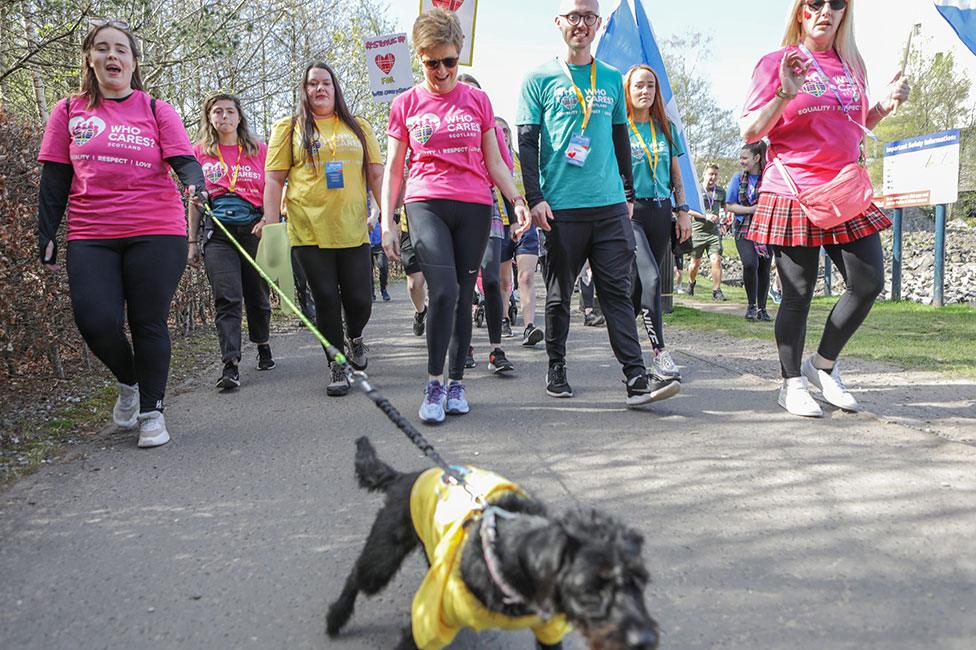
(658, 185)
(548, 99)
(752, 191)
(375, 235)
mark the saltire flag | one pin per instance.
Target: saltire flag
(467, 13)
(628, 42)
(961, 15)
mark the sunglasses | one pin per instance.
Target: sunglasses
(817, 5)
(104, 22)
(449, 62)
(575, 19)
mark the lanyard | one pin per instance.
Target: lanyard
(587, 105)
(237, 166)
(834, 89)
(710, 197)
(640, 138)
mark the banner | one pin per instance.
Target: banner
(388, 62)
(467, 12)
(626, 43)
(961, 15)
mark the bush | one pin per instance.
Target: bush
(38, 337)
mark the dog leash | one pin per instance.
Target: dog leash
(356, 378)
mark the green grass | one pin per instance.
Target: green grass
(905, 334)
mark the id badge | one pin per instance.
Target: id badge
(578, 150)
(333, 175)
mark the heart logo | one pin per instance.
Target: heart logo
(815, 87)
(84, 129)
(449, 5)
(636, 151)
(385, 62)
(213, 171)
(423, 127)
(571, 154)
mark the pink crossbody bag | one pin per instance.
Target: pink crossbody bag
(846, 196)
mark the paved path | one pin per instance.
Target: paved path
(762, 530)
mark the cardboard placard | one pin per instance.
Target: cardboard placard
(388, 62)
(467, 12)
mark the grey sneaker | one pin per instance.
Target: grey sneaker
(126, 411)
(152, 429)
(506, 329)
(339, 384)
(664, 366)
(358, 357)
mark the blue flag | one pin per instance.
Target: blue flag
(628, 42)
(961, 15)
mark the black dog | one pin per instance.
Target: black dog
(583, 568)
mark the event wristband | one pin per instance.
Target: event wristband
(881, 111)
(782, 94)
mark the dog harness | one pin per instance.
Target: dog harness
(443, 605)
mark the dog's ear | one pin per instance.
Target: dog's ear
(542, 559)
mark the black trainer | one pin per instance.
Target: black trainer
(691, 288)
(230, 378)
(507, 329)
(498, 362)
(265, 360)
(469, 361)
(752, 313)
(420, 322)
(532, 336)
(593, 319)
(763, 315)
(644, 390)
(556, 383)
(718, 296)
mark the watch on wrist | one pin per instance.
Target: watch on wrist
(782, 94)
(684, 207)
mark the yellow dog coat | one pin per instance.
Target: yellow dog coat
(443, 605)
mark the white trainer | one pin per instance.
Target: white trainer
(152, 429)
(831, 385)
(126, 411)
(795, 397)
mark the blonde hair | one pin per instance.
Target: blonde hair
(843, 42)
(437, 28)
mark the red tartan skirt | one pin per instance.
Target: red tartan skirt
(780, 221)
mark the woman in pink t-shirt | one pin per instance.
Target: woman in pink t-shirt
(449, 129)
(233, 166)
(809, 99)
(106, 155)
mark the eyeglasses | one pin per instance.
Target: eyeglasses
(817, 5)
(449, 62)
(105, 22)
(575, 19)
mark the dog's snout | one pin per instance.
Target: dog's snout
(644, 639)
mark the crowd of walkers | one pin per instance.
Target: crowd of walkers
(592, 193)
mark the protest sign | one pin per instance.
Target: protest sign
(467, 11)
(388, 62)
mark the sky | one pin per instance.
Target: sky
(514, 36)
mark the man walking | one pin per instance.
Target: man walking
(575, 150)
(706, 233)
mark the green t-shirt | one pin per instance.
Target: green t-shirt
(712, 203)
(548, 99)
(658, 185)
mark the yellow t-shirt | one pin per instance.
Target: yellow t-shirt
(443, 605)
(499, 201)
(318, 216)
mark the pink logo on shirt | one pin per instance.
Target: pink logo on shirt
(423, 127)
(815, 87)
(85, 129)
(213, 171)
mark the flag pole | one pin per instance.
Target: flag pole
(916, 29)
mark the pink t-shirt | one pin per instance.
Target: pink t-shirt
(444, 135)
(121, 185)
(813, 138)
(250, 177)
(503, 148)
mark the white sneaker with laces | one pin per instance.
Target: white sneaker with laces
(831, 385)
(664, 366)
(152, 429)
(126, 411)
(795, 397)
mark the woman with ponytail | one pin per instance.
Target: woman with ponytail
(743, 194)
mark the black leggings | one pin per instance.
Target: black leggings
(652, 230)
(380, 261)
(340, 280)
(134, 277)
(755, 272)
(860, 262)
(449, 238)
(492, 285)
